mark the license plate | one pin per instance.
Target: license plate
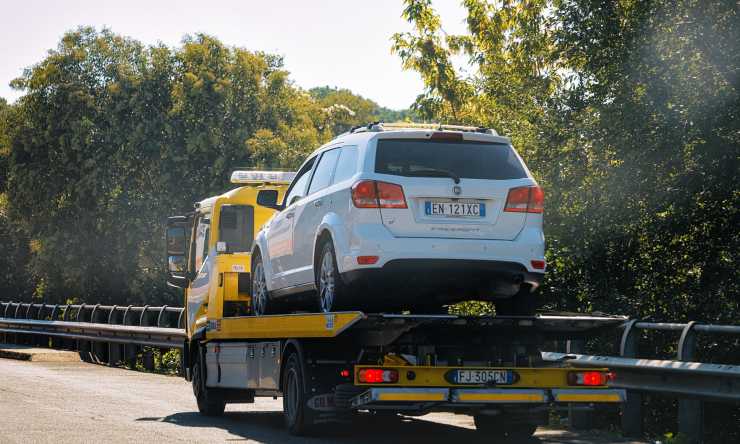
(454, 209)
(487, 377)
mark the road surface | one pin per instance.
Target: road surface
(77, 402)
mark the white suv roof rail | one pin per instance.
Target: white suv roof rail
(387, 126)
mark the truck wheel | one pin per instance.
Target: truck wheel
(261, 304)
(524, 303)
(294, 397)
(498, 428)
(209, 404)
(330, 289)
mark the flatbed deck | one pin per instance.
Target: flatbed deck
(329, 325)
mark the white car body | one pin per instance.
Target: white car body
(408, 240)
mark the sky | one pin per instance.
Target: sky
(324, 42)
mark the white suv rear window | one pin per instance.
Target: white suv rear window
(435, 158)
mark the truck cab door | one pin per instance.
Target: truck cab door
(200, 267)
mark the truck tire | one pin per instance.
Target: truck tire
(331, 292)
(294, 397)
(209, 403)
(261, 302)
(500, 428)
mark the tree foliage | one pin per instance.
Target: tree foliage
(629, 118)
(112, 136)
(347, 109)
(627, 113)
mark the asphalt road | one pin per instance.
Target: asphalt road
(79, 402)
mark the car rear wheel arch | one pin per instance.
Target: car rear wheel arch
(324, 236)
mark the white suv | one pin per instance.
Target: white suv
(404, 218)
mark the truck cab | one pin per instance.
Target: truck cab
(208, 250)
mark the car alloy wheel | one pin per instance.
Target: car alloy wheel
(327, 281)
(259, 289)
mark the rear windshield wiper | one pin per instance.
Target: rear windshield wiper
(434, 172)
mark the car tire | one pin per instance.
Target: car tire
(523, 303)
(209, 403)
(331, 291)
(261, 302)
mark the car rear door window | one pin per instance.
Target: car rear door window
(324, 171)
(347, 164)
(433, 158)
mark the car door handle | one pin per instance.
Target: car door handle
(318, 203)
(289, 215)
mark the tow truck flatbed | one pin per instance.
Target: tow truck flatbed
(328, 364)
(327, 325)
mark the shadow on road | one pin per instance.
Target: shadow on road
(365, 428)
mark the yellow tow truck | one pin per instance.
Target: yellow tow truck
(328, 365)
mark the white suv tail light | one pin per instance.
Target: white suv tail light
(376, 194)
(525, 200)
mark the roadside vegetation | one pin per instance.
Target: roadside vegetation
(628, 114)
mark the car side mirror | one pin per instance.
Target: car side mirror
(268, 199)
(176, 238)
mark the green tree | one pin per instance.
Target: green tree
(627, 113)
(344, 109)
(112, 136)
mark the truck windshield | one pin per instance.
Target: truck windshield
(435, 158)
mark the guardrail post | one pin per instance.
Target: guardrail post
(690, 411)
(99, 349)
(84, 347)
(3, 310)
(632, 407)
(578, 418)
(42, 341)
(147, 357)
(115, 351)
(129, 350)
(53, 341)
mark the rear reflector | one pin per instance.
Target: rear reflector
(538, 265)
(367, 260)
(375, 194)
(377, 376)
(525, 200)
(589, 378)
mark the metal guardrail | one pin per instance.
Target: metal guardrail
(692, 382)
(103, 314)
(107, 334)
(714, 382)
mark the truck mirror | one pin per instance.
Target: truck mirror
(267, 198)
(176, 238)
(175, 241)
